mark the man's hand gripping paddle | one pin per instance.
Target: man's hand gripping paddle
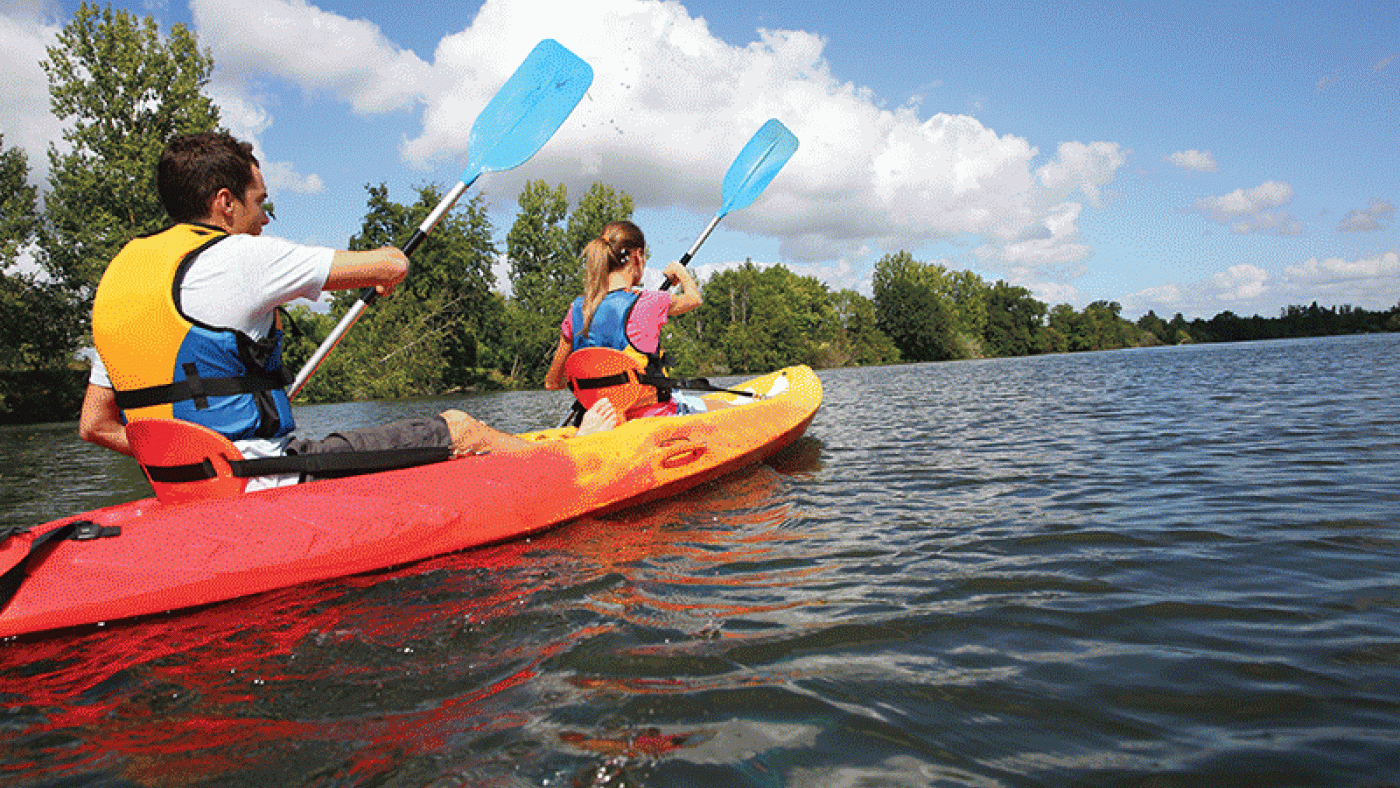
(754, 168)
(517, 122)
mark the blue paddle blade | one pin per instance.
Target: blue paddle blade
(766, 153)
(527, 110)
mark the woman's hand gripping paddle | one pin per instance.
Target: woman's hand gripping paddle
(517, 122)
(766, 153)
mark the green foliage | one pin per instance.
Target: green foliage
(1014, 321)
(1159, 330)
(933, 314)
(599, 205)
(125, 91)
(768, 318)
(541, 269)
(912, 311)
(544, 247)
(859, 342)
(527, 343)
(19, 217)
(426, 337)
(546, 270)
(1293, 321)
(756, 319)
(33, 333)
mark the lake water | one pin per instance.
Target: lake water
(1164, 567)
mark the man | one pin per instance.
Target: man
(186, 326)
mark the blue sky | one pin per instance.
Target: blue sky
(1180, 157)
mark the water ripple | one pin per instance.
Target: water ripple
(1168, 567)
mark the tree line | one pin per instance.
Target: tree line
(124, 89)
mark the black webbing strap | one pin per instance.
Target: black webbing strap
(78, 530)
(179, 474)
(602, 381)
(575, 415)
(196, 388)
(659, 381)
(342, 463)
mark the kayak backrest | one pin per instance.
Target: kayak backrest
(591, 369)
(184, 461)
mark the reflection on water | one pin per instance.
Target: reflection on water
(1166, 567)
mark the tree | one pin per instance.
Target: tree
(18, 215)
(600, 205)
(537, 248)
(546, 272)
(545, 267)
(1106, 328)
(1066, 330)
(1014, 321)
(965, 295)
(426, 337)
(860, 341)
(1156, 326)
(33, 334)
(36, 345)
(526, 343)
(1180, 330)
(786, 318)
(911, 311)
(124, 92)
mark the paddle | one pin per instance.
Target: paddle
(517, 122)
(754, 168)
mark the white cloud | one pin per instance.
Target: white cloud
(318, 50)
(1200, 161)
(29, 10)
(1380, 272)
(1253, 210)
(1163, 299)
(1241, 283)
(1054, 293)
(670, 106)
(25, 118)
(1054, 240)
(1376, 216)
(241, 113)
(1370, 283)
(282, 176)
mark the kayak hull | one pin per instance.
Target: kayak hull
(173, 556)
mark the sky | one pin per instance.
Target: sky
(1176, 157)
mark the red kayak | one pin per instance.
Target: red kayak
(147, 557)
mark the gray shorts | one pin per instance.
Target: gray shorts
(408, 434)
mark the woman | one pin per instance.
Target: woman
(614, 312)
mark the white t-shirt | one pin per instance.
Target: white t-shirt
(238, 283)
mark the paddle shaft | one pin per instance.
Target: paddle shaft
(749, 174)
(369, 294)
(695, 247)
(532, 104)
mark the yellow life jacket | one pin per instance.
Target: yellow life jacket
(163, 364)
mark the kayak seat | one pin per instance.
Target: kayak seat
(184, 461)
(597, 372)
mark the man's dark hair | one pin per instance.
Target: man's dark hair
(194, 167)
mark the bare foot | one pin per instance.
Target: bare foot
(468, 434)
(599, 418)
